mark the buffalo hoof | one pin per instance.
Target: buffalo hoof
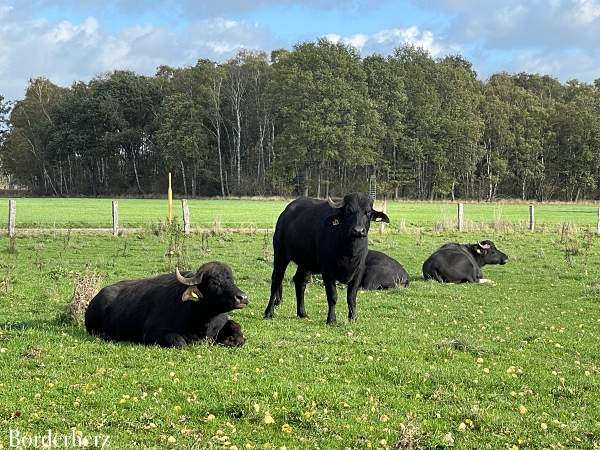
(302, 315)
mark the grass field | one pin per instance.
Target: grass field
(96, 213)
(511, 365)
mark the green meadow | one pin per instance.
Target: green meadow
(509, 365)
(138, 213)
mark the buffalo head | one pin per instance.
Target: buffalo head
(213, 285)
(489, 254)
(353, 215)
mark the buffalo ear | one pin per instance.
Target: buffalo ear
(192, 293)
(378, 216)
(333, 220)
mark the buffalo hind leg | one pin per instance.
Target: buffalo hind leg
(300, 281)
(231, 335)
(279, 266)
(331, 292)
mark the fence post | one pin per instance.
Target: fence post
(598, 226)
(531, 218)
(12, 214)
(115, 217)
(186, 216)
(461, 217)
(382, 223)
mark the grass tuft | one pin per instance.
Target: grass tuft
(86, 285)
(457, 345)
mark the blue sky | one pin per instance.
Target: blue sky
(68, 40)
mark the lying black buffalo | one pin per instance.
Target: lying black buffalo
(460, 263)
(327, 238)
(383, 272)
(170, 310)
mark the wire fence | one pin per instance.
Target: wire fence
(29, 215)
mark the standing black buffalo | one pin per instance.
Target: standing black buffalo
(327, 238)
(460, 263)
(170, 310)
(383, 272)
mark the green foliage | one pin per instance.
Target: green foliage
(314, 120)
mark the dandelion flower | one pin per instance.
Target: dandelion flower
(286, 428)
(268, 419)
(522, 410)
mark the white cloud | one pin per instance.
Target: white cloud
(64, 51)
(385, 41)
(586, 11)
(357, 41)
(556, 37)
(334, 38)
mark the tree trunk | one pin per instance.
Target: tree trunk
(319, 183)
(305, 181)
(135, 171)
(185, 191)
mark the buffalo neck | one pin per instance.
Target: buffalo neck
(477, 256)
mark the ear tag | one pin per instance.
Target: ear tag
(193, 295)
(335, 222)
(478, 251)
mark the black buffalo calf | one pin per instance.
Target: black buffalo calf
(170, 310)
(461, 263)
(383, 272)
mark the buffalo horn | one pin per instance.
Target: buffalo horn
(334, 204)
(486, 246)
(191, 281)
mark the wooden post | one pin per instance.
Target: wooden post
(382, 223)
(461, 217)
(531, 218)
(598, 226)
(12, 216)
(170, 201)
(186, 216)
(115, 217)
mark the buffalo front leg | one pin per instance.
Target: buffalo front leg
(331, 292)
(300, 280)
(231, 335)
(165, 338)
(351, 293)
(279, 266)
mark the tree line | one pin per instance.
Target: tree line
(315, 120)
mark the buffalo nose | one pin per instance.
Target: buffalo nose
(242, 298)
(359, 231)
